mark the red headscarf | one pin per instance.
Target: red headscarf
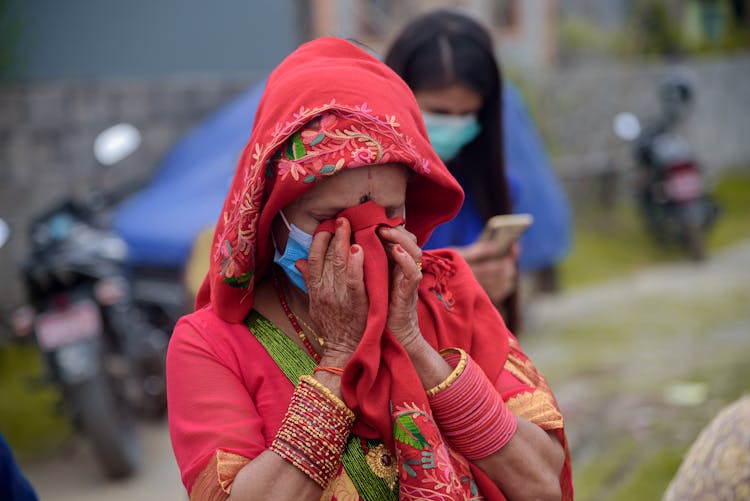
(330, 90)
(328, 76)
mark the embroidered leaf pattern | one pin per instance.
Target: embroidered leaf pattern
(240, 281)
(310, 178)
(290, 150)
(327, 169)
(299, 146)
(406, 431)
(407, 465)
(317, 139)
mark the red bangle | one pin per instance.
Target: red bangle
(332, 370)
(314, 431)
(471, 413)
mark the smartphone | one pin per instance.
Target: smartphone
(505, 229)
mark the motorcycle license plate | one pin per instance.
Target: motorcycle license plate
(684, 186)
(59, 328)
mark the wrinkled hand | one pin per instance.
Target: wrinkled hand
(334, 275)
(496, 275)
(401, 246)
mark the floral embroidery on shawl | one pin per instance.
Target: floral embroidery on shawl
(428, 468)
(319, 142)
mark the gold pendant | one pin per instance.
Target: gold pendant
(383, 464)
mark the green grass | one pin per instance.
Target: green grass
(650, 478)
(28, 411)
(733, 194)
(610, 244)
(591, 479)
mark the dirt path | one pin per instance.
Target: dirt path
(640, 365)
(613, 353)
(73, 475)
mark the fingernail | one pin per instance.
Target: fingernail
(400, 249)
(339, 222)
(354, 249)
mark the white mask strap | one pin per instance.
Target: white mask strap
(283, 218)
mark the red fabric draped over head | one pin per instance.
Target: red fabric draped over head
(326, 77)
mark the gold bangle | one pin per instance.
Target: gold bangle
(457, 371)
(328, 393)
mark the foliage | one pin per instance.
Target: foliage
(29, 419)
(578, 36)
(655, 28)
(652, 29)
(10, 31)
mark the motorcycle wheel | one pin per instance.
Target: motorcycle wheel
(693, 231)
(152, 374)
(110, 430)
(695, 242)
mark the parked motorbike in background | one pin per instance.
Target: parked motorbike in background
(99, 350)
(672, 192)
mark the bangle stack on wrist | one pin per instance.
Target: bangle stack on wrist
(471, 414)
(314, 431)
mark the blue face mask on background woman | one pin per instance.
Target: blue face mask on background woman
(297, 247)
(449, 133)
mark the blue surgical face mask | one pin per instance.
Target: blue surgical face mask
(449, 133)
(297, 247)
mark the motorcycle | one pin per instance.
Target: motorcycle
(106, 359)
(672, 192)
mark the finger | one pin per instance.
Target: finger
(338, 250)
(406, 264)
(494, 267)
(514, 251)
(303, 267)
(316, 256)
(479, 251)
(401, 236)
(355, 277)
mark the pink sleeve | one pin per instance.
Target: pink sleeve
(210, 407)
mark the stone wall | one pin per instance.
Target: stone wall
(575, 105)
(47, 133)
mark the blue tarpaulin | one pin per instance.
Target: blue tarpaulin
(539, 193)
(160, 222)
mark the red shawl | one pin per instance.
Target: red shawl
(333, 78)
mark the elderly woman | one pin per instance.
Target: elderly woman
(329, 358)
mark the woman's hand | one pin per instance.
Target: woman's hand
(401, 246)
(496, 275)
(338, 304)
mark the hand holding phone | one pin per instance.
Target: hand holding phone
(505, 229)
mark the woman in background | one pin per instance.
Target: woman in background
(448, 61)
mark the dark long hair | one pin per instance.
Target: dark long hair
(443, 48)
(446, 47)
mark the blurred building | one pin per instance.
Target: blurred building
(525, 31)
(88, 39)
